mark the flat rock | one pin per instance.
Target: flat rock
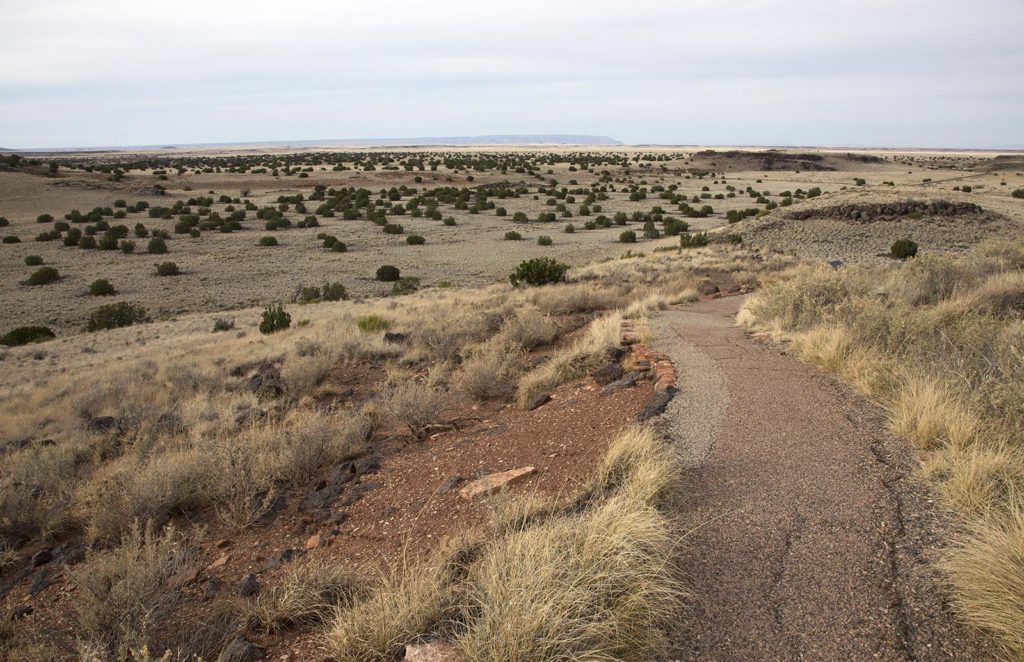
(493, 483)
(242, 650)
(434, 651)
(537, 401)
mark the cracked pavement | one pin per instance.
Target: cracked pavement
(805, 536)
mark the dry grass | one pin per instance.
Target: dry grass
(305, 595)
(586, 354)
(124, 594)
(593, 583)
(938, 341)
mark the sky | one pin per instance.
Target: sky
(884, 73)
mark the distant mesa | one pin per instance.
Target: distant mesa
(443, 141)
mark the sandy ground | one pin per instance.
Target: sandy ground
(805, 537)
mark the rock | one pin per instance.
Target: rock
(321, 499)
(42, 557)
(184, 577)
(70, 554)
(40, 583)
(22, 611)
(656, 405)
(450, 484)
(221, 562)
(707, 288)
(495, 482)
(101, 424)
(242, 650)
(213, 588)
(395, 338)
(249, 586)
(357, 492)
(607, 374)
(628, 381)
(265, 381)
(537, 401)
(434, 651)
(282, 557)
(835, 264)
(615, 354)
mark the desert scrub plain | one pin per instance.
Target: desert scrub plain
(266, 448)
(248, 229)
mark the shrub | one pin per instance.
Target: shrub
(127, 246)
(101, 287)
(157, 246)
(42, 276)
(650, 231)
(4, 222)
(569, 228)
(87, 242)
(1018, 193)
(627, 237)
(372, 323)
(544, 240)
(393, 228)
(275, 319)
(406, 285)
(388, 273)
(333, 292)
(223, 324)
(11, 239)
(23, 335)
(512, 235)
(695, 240)
(33, 260)
(44, 218)
(539, 271)
(167, 269)
(903, 248)
(268, 241)
(115, 316)
(415, 240)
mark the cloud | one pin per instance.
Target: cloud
(916, 72)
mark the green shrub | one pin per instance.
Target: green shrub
(115, 316)
(268, 241)
(44, 218)
(167, 269)
(11, 239)
(569, 228)
(87, 242)
(223, 324)
(388, 273)
(1018, 193)
(393, 228)
(544, 240)
(539, 271)
(42, 276)
(695, 240)
(275, 319)
(903, 248)
(333, 292)
(157, 246)
(127, 246)
(33, 260)
(415, 240)
(101, 287)
(406, 285)
(627, 237)
(23, 335)
(449, 221)
(512, 235)
(650, 231)
(372, 323)
(4, 222)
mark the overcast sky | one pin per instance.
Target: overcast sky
(936, 73)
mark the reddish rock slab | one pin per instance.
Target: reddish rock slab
(495, 482)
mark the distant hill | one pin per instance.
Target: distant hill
(511, 139)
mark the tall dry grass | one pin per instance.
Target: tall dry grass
(939, 342)
(594, 581)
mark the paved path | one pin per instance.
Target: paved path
(805, 536)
